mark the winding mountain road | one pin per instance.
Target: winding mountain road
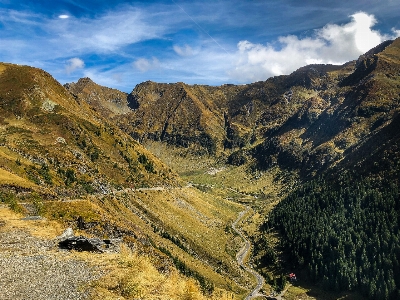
(241, 256)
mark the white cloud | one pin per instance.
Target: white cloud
(144, 65)
(73, 64)
(106, 33)
(103, 34)
(332, 44)
(183, 51)
(396, 32)
(115, 37)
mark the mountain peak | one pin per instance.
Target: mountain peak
(369, 54)
(109, 102)
(85, 80)
(373, 59)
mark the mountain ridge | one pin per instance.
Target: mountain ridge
(302, 115)
(257, 144)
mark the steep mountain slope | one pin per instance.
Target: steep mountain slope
(183, 115)
(61, 145)
(378, 108)
(108, 102)
(63, 160)
(348, 237)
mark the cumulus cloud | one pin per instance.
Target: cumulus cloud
(144, 65)
(332, 44)
(183, 51)
(73, 64)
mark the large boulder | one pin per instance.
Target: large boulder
(80, 243)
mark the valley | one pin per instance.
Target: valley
(216, 192)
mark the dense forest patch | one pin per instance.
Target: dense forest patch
(344, 234)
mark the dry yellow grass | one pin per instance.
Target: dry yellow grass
(132, 276)
(39, 228)
(128, 274)
(12, 179)
(4, 152)
(196, 219)
(2, 68)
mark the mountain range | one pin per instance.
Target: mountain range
(323, 128)
(314, 119)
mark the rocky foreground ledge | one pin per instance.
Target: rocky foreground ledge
(33, 267)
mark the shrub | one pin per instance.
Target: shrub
(11, 200)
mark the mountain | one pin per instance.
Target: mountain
(308, 121)
(335, 127)
(320, 145)
(64, 159)
(63, 146)
(348, 236)
(106, 101)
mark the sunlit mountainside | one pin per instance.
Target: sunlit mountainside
(169, 167)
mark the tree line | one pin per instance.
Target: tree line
(344, 233)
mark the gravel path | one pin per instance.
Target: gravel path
(33, 268)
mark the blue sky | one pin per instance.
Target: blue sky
(122, 43)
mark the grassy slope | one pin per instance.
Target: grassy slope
(8, 178)
(182, 224)
(41, 124)
(128, 274)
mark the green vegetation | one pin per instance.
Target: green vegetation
(344, 233)
(37, 175)
(11, 200)
(148, 164)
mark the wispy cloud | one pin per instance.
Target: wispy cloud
(64, 35)
(106, 33)
(208, 64)
(210, 42)
(332, 44)
(73, 64)
(144, 65)
(186, 50)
